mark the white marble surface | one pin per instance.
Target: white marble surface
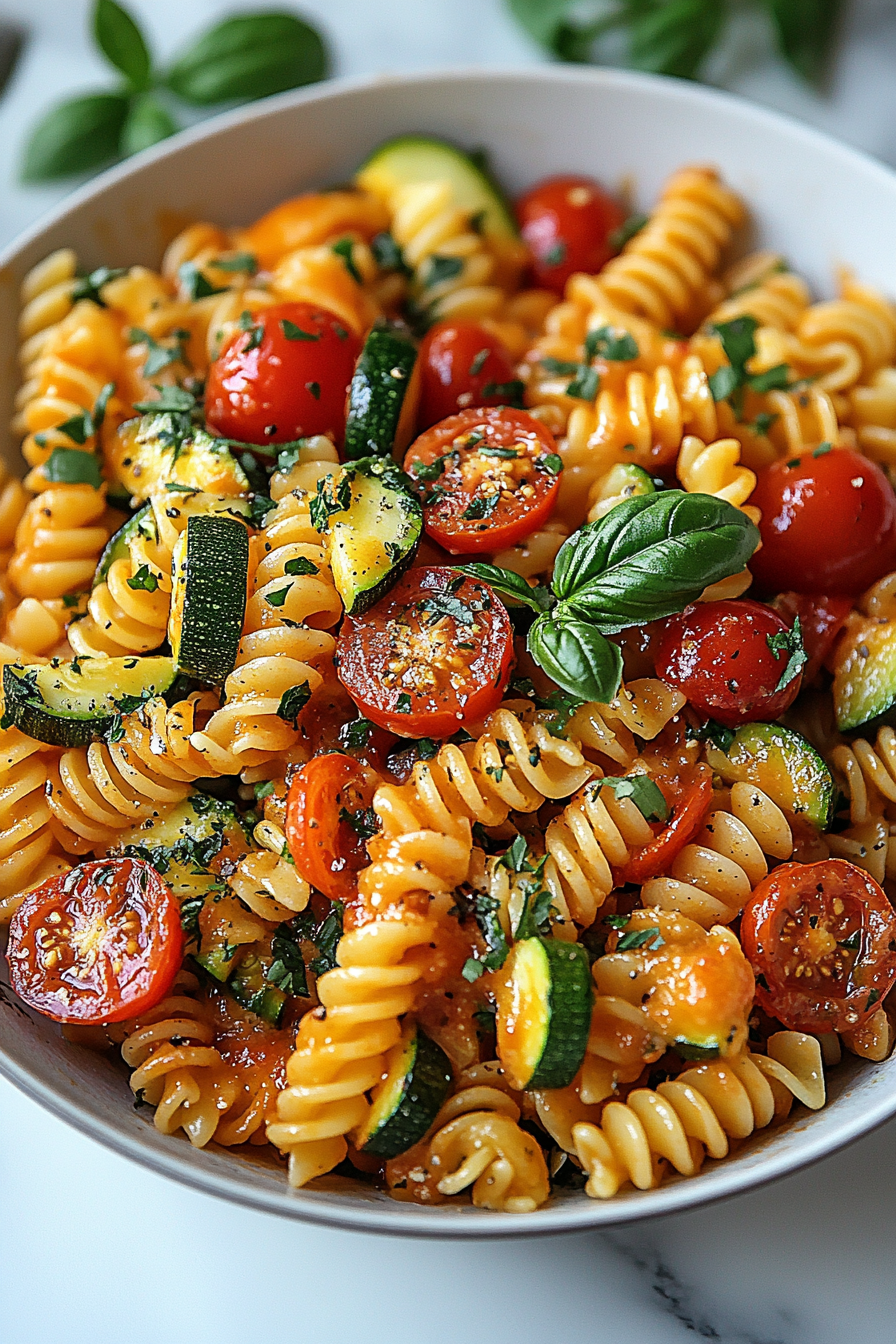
(94, 1250)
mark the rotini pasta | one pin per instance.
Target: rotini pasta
(479, 871)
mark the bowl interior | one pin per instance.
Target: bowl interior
(821, 204)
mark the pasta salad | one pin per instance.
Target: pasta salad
(448, 655)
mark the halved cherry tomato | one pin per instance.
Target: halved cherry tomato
(431, 656)
(729, 659)
(98, 944)
(326, 846)
(567, 222)
(285, 378)
(828, 523)
(690, 800)
(821, 938)
(461, 365)
(488, 477)
(821, 620)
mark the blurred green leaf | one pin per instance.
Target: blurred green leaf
(542, 19)
(122, 43)
(249, 56)
(807, 32)
(147, 123)
(674, 38)
(74, 137)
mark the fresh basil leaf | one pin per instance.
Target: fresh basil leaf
(650, 556)
(807, 32)
(170, 399)
(791, 643)
(627, 231)
(607, 343)
(74, 137)
(724, 382)
(197, 285)
(147, 124)
(89, 286)
(577, 657)
(675, 38)
(540, 18)
(388, 255)
(507, 584)
(71, 466)
(738, 339)
(629, 942)
(249, 56)
(644, 792)
(292, 702)
(771, 380)
(122, 43)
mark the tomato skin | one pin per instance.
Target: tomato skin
(265, 393)
(690, 803)
(469, 475)
(821, 620)
(779, 937)
(441, 694)
(718, 655)
(567, 222)
(327, 850)
(458, 362)
(828, 524)
(119, 911)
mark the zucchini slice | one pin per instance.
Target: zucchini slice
(74, 704)
(418, 158)
(251, 990)
(864, 686)
(118, 547)
(182, 843)
(210, 571)
(544, 1013)
(384, 393)
(407, 1101)
(372, 539)
(163, 449)
(624, 481)
(783, 764)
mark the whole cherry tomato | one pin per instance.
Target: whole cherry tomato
(828, 523)
(821, 938)
(488, 478)
(324, 801)
(461, 365)
(567, 222)
(735, 661)
(98, 944)
(431, 656)
(284, 377)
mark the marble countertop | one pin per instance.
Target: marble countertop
(95, 1250)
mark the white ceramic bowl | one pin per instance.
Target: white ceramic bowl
(817, 201)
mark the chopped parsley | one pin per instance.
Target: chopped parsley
(292, 702)
(791, 643)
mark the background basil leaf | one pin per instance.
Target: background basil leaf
(541, 18)
(674, 38)
(650, 556)
(147, 123)
(509, 585)
(577, 657)
(807, 33)
(249, 56)
(122, 43)
(74, 137)
(72, 467)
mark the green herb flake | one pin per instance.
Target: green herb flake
(627, 231)
(478, 361)
(71, 466)
(144, 579)
(789, 642)
(644, 793)
(611, 345)
(403, 703)
(630, 942)
(241, 263)
(345, 249)
(292, 702)
(196, 285)
(586, 385)
(300, 565)
(295, 333)
(482, 506)
(277, 599)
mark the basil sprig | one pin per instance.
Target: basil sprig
(244, 57)
(649, 557)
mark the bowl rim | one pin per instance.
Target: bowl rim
(393, 1218)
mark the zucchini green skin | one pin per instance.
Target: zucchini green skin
(409, 1098)
(383, 394)
(784, 765)
(181, 842)
(544, 1013)
(210, 569)
(624, 481)
(418, 158)
(374, 540)
(864, 688)
(68, 708)
(248, 986)
(119, 544)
